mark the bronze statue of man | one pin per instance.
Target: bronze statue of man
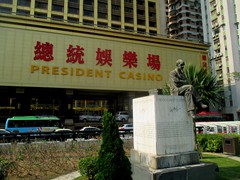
(180, 86)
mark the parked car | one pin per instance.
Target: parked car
(122, 116)
(89, 132)
(4, 131)
(7, 136)
(126, 128)
(90, 117)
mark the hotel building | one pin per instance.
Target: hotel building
(70, 57)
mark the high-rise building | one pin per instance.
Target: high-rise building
(222, 30)
(184, 20)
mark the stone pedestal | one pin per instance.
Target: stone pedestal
(164, 140)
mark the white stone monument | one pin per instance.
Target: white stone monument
(164, 139)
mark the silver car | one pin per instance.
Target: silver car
(122, 116)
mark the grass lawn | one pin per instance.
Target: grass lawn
(228, 169)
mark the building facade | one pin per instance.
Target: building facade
(184, 20)
(223, 31)
(53, 66)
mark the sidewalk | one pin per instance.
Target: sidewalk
(236, 158)
(69, 176)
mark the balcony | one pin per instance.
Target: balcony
(172, 23)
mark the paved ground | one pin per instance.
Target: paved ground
(237, 158)
(76, 174)
(69, 176)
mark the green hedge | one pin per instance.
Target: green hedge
(213, 142)
(88, 167)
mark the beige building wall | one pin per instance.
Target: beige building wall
(95, 61)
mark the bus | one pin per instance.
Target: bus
(24, 124)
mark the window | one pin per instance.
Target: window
(230, 100)
(129, 10)
(102, 15)
(6, 1)
(57, 18)
(5, 10)
(24, 3)
(57, 8)
(88, 2)
(152, 24)
(141, 22)
(73, 20)
(88, 13)
(153, 33)
(141, 31)
(23, 12)
(116, 18)
(129, 29)
(151, 4)
(89, 23)
(40, 15)
(73, 1)
(73, 10)
(116, 27)
(128, 20)
(41, 5)
(73, 6)
(104, 25)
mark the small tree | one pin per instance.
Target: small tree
(112, 162)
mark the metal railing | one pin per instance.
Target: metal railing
(55, 136)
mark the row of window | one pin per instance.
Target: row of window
(74, 4)
(116, 16)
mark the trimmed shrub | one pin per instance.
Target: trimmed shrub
(112, 162)
(88, 167)
(212, 142)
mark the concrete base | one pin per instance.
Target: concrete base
(164, 141)
(165, 161)
(199, 171)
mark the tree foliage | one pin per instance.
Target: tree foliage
(112, 162)
(205, 83)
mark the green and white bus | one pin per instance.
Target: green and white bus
(32, 123)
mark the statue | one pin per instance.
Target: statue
(180, 86)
